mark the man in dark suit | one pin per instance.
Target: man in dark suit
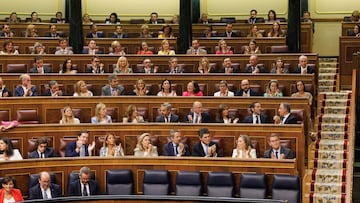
(92, 49)
(119, 32)
(44, 189)
(285, 116)
(42, 149)
(245, 90)
(256, 117)
(254, 68)
(4, 91)
(227, 68)
(253, 14)
(303, 67)
(53, 32)
(175, 147)
(94, 32)
(84, 186)
(80, 147)
(229, 31)
(166, 115)
(25, 89)
(53, 90)
(154, 19)
(113, 88)
(277, 151)
(96, 66)
(196, 115)
(205, 147)
(174, 68)
(195, 48)
(38, 66)
(148, 68)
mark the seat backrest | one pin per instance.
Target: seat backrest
(113, 112)
(16, 68)
(4, 115)
(34, 179)
(253, 186)
(220, 184)
(279, 49)
(156, 182)
(227, 20)
(73, 176)
(63, 143)
(27, 116)
(119, 182)
(188, 183)
(299, 114)
(286, 187)
(137, 21)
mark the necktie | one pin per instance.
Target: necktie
(195, 118)
(176, 150)
(277, 154)
(257, 120)
(82, 150)
(45, 196)
(85, 193)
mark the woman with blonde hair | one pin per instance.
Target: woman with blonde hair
(122, 66)
(145, 32)
(204, 66)
(109, 148)
(31, 31)
(244, 149)
(81, 90)
(165, 48)
(68, 116)
(132, 115)
(100, 115)
(272, 89)
(223, 48)
(38, 48)
(144, 146)
(116, 49)
(140, 88)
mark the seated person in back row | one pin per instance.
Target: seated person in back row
(80, 147)
(94, 32)
(196, 115)
(256, 116)
(304, 68)
(254, 68)
(4, 91)
(92, 49)
(245, 90)
(39, 68)
(205, 147)
(276, 151)
(175, 147)
(96, 66)
(113, 88)
(166, 115)
(53, 90)
(195, 48)
(25, 89)
(285, 115)
(45, 189)
(84, 185)
(228, 68)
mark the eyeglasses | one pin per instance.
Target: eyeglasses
(97, 61)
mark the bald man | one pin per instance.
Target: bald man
(44, 189)
(196, 115)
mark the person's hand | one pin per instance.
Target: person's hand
(282, 156)
(28, 92)
(6, 94)
(190, 118)
(236, 120)
(79, 144)
(149, 149)
(273, 156)
(212, 150)
(156, 68)
(181, 148)
(256, 71)
(91, 146)
(277, 119)
(199, 118)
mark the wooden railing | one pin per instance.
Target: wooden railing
(348, 46)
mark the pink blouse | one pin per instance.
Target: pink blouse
(187, 94)
(218, 52)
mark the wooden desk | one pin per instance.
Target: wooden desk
(348, 46)
(345, 26)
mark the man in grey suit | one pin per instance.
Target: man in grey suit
(166, 115)
(113, 88)
(195, 49)
(277, 151)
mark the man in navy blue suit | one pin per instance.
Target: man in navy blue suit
(277, 151)
(304, 68)
(196, 115)
(80, 147)
(25, 89)
(94, 32)
(205, 147)
(245, 90)
(44, 189)
(84, 186)
(175, 147)
(53, 90)
(285, 116)
(4, 91)
(166, 115)
(256, 116)
(42, 149)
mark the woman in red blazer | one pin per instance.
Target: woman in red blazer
(8, 193)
